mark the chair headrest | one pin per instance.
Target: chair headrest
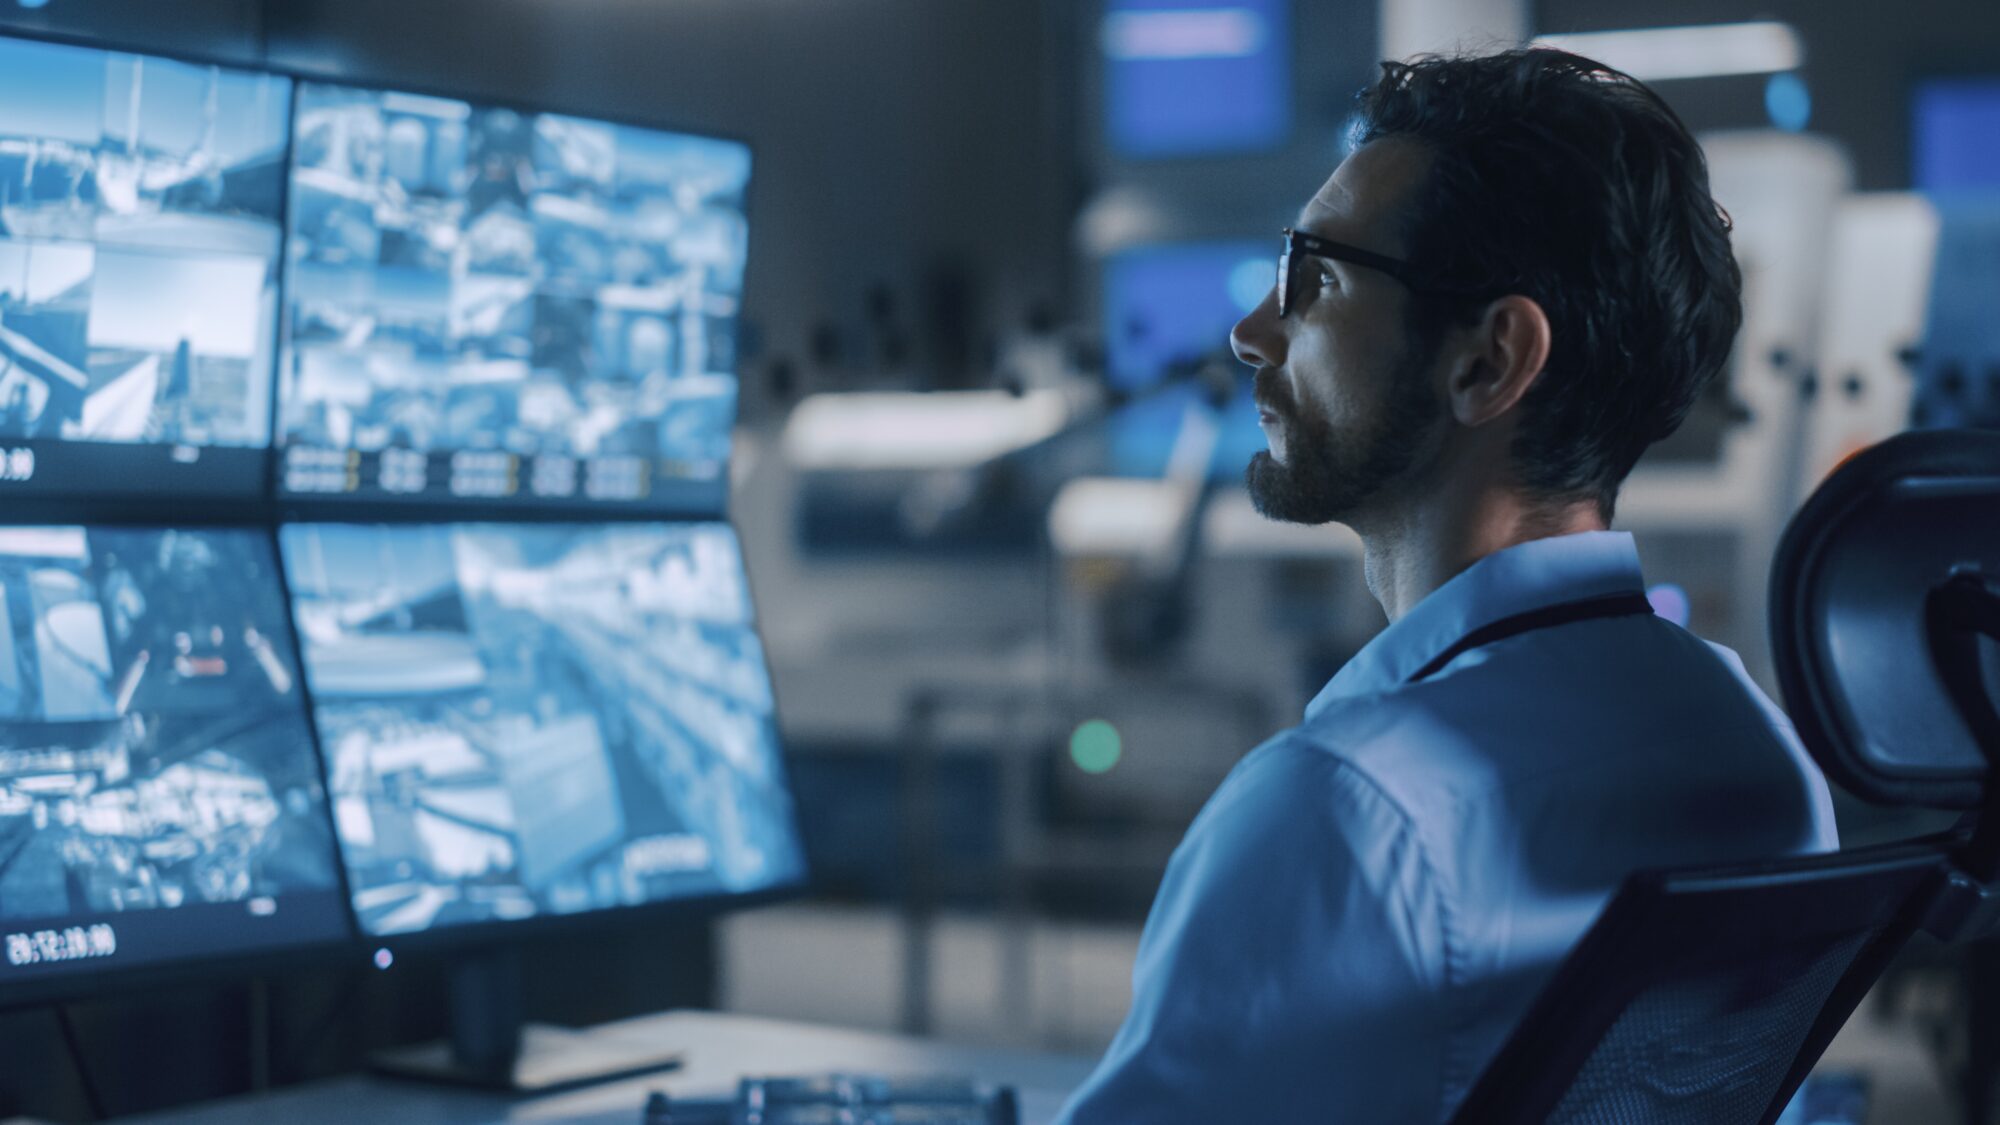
(1851, 593)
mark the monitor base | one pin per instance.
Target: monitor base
(550, 1058)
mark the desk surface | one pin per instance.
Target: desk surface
(720, 1049)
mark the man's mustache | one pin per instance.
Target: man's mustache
(1268, 388)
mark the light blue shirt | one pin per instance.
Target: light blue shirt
(1372, 899)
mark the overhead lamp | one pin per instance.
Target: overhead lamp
(918, 430)
(1179, 34)
(1704, 51)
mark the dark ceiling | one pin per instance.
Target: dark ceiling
(1863, 58)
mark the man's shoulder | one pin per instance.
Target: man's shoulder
(1298, 780)
(1524, 714)
(1402, 740)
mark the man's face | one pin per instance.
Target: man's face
(1348, 402)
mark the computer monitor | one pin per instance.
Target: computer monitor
(139, 249)
(1165, 307)
(528, 722)
(1196, 79)
(160, 799)
(1952, 124)
(507, 309)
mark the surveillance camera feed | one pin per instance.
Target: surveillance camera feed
(530, 720)
(507, 307)
(139, 236)
(160, 798)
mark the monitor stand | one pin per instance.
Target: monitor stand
(492, 1047)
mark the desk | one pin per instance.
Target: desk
(721, 1048)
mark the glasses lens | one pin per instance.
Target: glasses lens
(1284, 277)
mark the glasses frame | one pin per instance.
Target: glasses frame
(1300, 244)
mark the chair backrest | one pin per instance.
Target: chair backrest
(1705, 996)
(1852, 628)
(1691, 997)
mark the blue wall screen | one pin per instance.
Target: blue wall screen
(1167, 304)
(1192, 78)
(1952, 134)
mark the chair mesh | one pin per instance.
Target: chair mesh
(1711, 1046)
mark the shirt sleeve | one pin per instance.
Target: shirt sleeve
(1292, 966)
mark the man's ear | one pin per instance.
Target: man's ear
(1505, 356)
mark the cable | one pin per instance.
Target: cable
(91, 1100)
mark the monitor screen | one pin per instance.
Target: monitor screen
(509, 308)
(1196, 78)
(139, 236)
(1954, 121)
(160, 798)
(524, 720)
(1164, 307)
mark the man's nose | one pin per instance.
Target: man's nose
(1258, 339)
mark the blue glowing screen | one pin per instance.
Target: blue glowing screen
(534, 719)
(507, 306)
(140, 204)
(1952, 132)
(1191, 77)
(159, 795)
(1164, 305)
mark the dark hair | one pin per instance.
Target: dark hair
(1572, 184)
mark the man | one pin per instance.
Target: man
(1514, 285)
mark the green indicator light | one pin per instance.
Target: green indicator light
(1095, 746)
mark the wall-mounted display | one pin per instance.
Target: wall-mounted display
(534, 719)
(501, 307)
(141, 205)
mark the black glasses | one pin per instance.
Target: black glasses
(1299, 244)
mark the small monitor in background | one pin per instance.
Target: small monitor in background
(160, 800)
(140, 227)
(1188, 79)
(507, 308)
(527, 720)
(1166, 307)
(1954, 123)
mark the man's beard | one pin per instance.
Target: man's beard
(1328, 476)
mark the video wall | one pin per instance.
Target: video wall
(431, 616)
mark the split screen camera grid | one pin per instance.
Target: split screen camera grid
(395, 296)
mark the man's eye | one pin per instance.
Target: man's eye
(1326, 278)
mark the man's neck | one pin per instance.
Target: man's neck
(1421, 545)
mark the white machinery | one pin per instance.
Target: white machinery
(1723, 516)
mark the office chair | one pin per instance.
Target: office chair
(1705, 996)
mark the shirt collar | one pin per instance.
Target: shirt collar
(1527, 576)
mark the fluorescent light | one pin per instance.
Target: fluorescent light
(1653, 54)
(1116, 516)
(1183, 33)
(918, 430)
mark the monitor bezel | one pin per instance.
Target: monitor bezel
(62, 987)
(497, 932)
